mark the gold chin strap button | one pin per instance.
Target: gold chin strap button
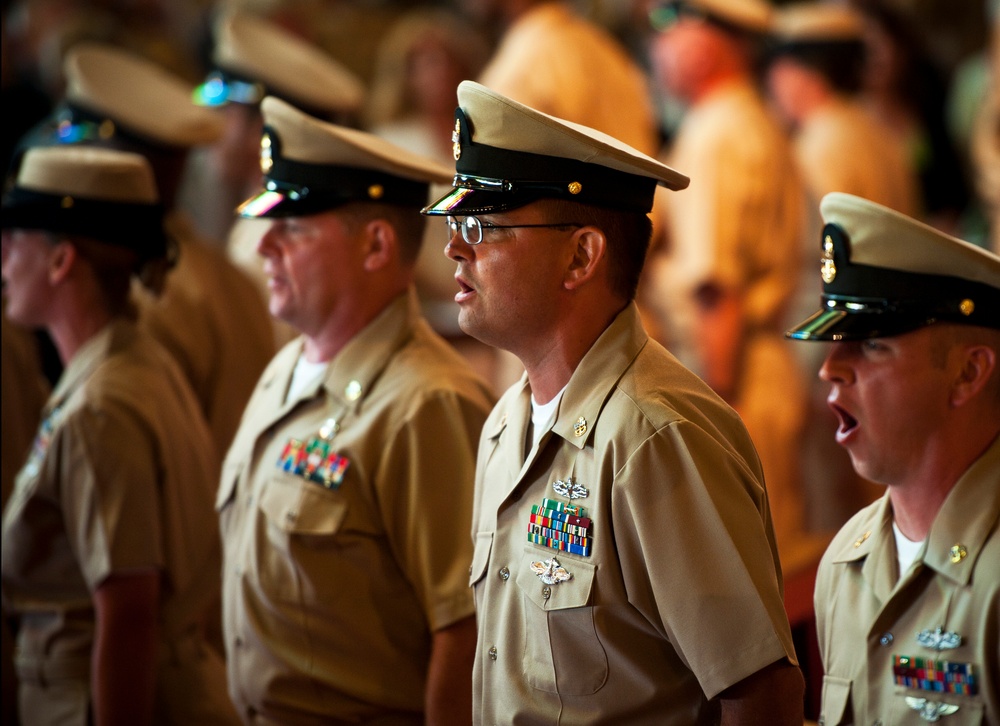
(967, 306)
(575, 187)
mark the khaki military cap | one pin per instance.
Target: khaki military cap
(818, 22)
(884, 274)
(103, 194)
(754, 16)
(254, 58)
(111, 92)
(508, 155)
(311, 166)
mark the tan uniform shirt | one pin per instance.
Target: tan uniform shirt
(118, 480)
(843, 148)
(216, 325)
(739, 226)
(334, 583)
(555, 61)
(678, 596)
(873, 625)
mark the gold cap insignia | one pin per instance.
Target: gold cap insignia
(456, 140)
(266, 160)
(967, 306)
(828, 270)
(575, 187)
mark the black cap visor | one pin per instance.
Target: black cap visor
(138, 227)
(841, 324)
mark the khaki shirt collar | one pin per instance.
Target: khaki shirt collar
(353, 371)
(596, 375)
(90, 355)
(967, 517)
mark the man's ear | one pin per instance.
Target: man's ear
(978, 364)
(62, 258)
(381, 244)
(588, 253)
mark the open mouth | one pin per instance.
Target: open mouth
(464, 289)
(847, 423)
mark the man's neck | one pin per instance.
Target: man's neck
(917, 501)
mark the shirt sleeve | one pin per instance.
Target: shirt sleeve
(425, 482)
(697, 554)
(110, 493)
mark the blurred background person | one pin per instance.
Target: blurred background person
(421, 60)
(110, 554)
(985, 140)
(253, 57)
(814, 77)
(209, 317)
(730, 265)
(907, 90)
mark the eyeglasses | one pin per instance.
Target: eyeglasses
(472, 228)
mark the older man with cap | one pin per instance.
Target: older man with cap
(721, 284)
(209, 316)
(110, 556)
(346, 497)
(908, 593)
(609, 476)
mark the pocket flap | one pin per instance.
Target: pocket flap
(836, 697)
(560, 594)
(301, 507)
(480, 557)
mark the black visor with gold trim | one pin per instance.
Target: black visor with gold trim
(490, 179)
(863, 301)
(297, 188)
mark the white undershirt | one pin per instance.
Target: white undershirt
(305, 373)
(543, 415)
(906, 550)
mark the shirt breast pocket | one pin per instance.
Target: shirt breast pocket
(294, 506)
(562, 651)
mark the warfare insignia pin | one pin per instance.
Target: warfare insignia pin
(456, 140)
(930, 710)
(550, 571)
(570, 488)
(828, 270)
(939, 639)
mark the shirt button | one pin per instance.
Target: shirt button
(886, 639)
(546, 592)
(492, 652)
(239, 642)
(504, 574)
